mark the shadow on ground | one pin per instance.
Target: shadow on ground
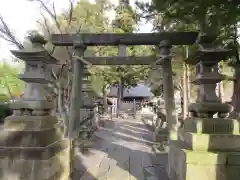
(128, 147)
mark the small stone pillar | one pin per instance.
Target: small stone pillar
(207, 148)
(88, 102)
(31, 141)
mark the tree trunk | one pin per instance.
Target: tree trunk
(105, 103)
(220, 91)
(118, 100)
(186, 87)
(62, 111)
(188, 84)
(236, 83)
(219, 86)
(119, 97)
(185, 93)
(236, 90)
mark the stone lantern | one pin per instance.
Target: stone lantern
(86, 88)
(32, 144)
(207, 148)
(88, 105)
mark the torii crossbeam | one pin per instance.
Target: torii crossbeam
(113, 39)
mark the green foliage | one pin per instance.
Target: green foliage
(4, 98)
(103, 76)
(126, 18)
(214, 17)
(9, 82)
(5, 111)
(207, 15)
(126, 21)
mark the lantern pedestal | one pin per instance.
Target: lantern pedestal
(207, 148)
(32, 146)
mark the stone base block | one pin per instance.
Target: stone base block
(212, 142)
(212, 126)
(30, 131)
(33, 148)
(186, 164)
(49, 163)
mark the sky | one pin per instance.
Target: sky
(21, 16)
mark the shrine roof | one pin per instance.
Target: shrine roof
(209, 55)
(106, 39)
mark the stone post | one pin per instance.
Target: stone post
(171, 115)
(207, 148)
(31, 141)
(76, 94)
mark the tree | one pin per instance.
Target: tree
(212, 17)
(126, 21)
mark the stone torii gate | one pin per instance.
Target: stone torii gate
(163, 40)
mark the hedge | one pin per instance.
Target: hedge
(5, 111)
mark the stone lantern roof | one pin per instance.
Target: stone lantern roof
(35, 52)
(210, 56)
(36, 58)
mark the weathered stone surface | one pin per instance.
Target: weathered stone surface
(210, 107)
(212, 125)
(40, 138)
(20, 168)
(207, 148)
(32, 105)
(92, 39)
(38, 153)
(30, 123)
(213, 142)
(31, 141)
(199, 165)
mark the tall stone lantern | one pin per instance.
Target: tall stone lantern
(31, 142)
(207, 148)
(88, 105)
(87, 89)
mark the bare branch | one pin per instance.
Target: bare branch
(53, 14)
(54, 75)
(46, 26)
(70, 12)
(8, 35)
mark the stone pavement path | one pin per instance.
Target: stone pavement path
(122, 151)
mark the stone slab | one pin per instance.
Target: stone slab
(204, 107)
(212, 126)
(198, 165)
(27, 138)
(20, 168)
(33, 153)
(32, 105)
(213, 142)
(29, 122)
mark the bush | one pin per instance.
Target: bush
(5, 111)
(3, 98)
